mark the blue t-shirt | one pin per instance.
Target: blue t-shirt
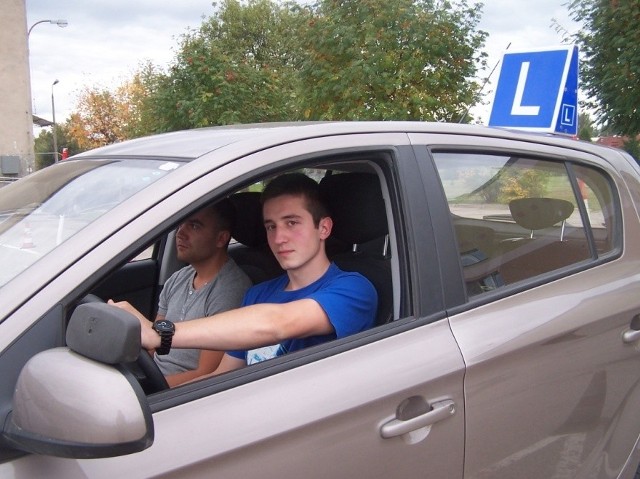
(349, 300)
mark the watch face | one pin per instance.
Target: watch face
(164, 326)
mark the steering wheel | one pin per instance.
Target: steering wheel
(144, 368)
(153, 380)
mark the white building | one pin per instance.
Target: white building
(16, 128)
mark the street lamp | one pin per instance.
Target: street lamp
(60, 23)
(53, 113)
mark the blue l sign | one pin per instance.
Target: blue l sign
(538, 91)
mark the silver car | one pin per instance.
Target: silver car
(507, 342)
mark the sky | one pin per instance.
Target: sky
(107, 40)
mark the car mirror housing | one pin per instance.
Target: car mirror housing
(77, 401)
(104, 333)
(70, 406)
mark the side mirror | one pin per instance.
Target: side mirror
(104, 333)
(68, 405)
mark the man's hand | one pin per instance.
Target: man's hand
(150, 339)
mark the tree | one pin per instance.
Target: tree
(43, 145)
(587, 128)
(632, 146)
(135, 102)
(104, 116)
(239, 67)
(400, 60)
(611, 67)
(268, 60)
(99, 119)
(138, 94)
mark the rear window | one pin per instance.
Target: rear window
(518, 218)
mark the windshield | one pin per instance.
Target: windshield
(42, 210)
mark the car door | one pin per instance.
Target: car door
(385, 403)
(552, 382)
(141, 272)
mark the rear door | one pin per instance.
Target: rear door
(384, 403)
(547, 329)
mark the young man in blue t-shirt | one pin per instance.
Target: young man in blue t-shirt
(313, 303)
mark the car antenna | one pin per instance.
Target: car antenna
(486, 80)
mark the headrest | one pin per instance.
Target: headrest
(356, 205)
(539, 213)
(249, 227)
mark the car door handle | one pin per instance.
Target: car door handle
(439, 410)
(630, 336)
(633, 334)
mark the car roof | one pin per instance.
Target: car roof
(187, 145)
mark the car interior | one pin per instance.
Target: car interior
(547, 245)
(533, 235)
(360, 242)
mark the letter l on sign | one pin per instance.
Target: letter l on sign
(517, 108)
(538, 91)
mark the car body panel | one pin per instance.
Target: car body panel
(537, 379)
(325, 417)
(550, 381)
(555, 379)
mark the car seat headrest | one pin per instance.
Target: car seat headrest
(356, 205)
(249, 227)
(539, 213)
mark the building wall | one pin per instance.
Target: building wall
(16, 128)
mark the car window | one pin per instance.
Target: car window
(146, 253)
(518, 218)
(43, 210)
(359, 242)
(596, 192)
(353, 246)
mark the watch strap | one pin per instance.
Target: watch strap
(165, 343)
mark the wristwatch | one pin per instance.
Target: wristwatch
(165, 329)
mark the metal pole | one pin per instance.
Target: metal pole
(61, 23)
(486, 80)
(53, 113)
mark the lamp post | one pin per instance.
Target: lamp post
(53, 113)
(60, 23)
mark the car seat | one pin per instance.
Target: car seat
(359, 219)
(542, 253)
(252, 252)
(539, 213)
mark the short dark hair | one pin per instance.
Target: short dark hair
(298, 184)
(225, 214)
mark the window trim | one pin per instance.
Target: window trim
(448, 234)
(386, 161)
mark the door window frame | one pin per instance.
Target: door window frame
(453, 278)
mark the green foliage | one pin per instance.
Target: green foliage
(584, 133)
(239, 67)
(587, 129)
(44, 145)
(526, 184)
(391, 60)
(268, 60)
(510, 183)
(104, 116)
(138, 94)
(611, 68)
(632, 146)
